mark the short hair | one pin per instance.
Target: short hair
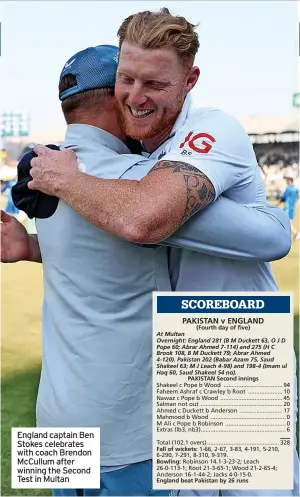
(88, 100)
(151, 30)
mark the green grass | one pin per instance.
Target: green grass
(20, 358)
(18, 400)
(21, 347)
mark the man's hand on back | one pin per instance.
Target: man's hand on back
(16, 244)
(47, 174)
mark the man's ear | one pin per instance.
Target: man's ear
(192, 78)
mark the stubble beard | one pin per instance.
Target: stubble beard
(165, 122)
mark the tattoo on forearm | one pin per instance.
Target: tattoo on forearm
(199, 189)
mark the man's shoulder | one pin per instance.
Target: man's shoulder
(101, 161)
(221, 128)
(212, 134)
(90, 146)
(213, 116)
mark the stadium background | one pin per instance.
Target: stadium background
(276, 143)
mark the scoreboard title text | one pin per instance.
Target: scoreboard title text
(222, 304)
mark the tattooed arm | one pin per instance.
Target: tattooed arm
(198, 190)
(145, 211)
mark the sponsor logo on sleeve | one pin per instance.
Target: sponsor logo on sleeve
(197, 143)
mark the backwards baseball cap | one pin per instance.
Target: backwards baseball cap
(93, 68)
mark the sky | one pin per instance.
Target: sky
(247, 57)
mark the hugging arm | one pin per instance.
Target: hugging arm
(234, 231)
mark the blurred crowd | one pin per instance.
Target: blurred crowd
(275, 168)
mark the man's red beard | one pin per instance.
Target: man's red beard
(156, 128)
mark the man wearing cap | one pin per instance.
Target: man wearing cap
(127, 311)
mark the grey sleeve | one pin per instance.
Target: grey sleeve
(234, 231)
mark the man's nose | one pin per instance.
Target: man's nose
(136, 95)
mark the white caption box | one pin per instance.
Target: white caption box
(55, 458)
(223, 379)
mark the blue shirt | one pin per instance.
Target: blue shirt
(290, 197)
